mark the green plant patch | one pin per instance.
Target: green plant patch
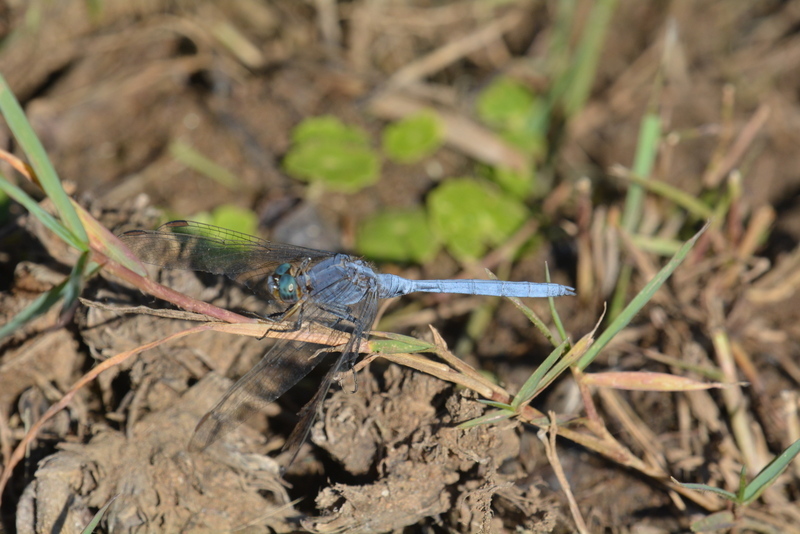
(337, 155)
(413, 138)
(341, 167)
(504, 102)
(469, 216)
(227, 216)
(519, 184)
(328, 128)
(521, 118)
(398, 236)
(531, 142)
(235, 218)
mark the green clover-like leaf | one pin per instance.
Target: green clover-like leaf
(413, 138)
(398, 236)
(470, 215)
(328, 151)
(504, 102)
(328, 128)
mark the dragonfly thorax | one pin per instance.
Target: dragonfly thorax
(338, 280)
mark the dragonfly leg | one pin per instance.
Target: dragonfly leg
(342, 313)
(256, 315)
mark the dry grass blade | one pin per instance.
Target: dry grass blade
(647, 381)
(453, 51)
(548, 438)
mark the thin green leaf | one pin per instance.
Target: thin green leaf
(687, 201)
(196, 161)
(37, 211)
(98, 516)
(742, 484)
(772, 471)
(30, 144)
(703, 487)
(107, 244)
(496, 404)
(74, 286)
(643, 161)
(399, 344)
(38, 307)
(532, 317)
(491, 417)
(644, 296)
(585, 60)
(646, 151)
(574, 354)
(553, 311)
(531, 386)
(655, 244)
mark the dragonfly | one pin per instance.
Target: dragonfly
(299, 286)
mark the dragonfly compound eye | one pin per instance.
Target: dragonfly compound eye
(287, 284)
(287, 288)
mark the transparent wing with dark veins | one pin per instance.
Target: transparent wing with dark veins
(338, 292)
(364, 313)
(196, 246)
(250, 261)
(284, 366)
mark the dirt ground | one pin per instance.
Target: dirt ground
(110, 87)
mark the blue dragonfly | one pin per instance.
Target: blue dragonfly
(298, 285)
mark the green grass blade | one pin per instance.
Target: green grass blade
(646, 152)
(656, 245)
(772, 471)
(398, 344)
(644, 296)
(198, 162)
(98, 516)
(491, 417)
(587, 55)
(38, 307)
(643, 161)
(496, 404)
(74, 285)
(15, 117)
(37, 211)
(532, 317)
(553, 311)
(531, 386)
(687, 201)
(703, 487)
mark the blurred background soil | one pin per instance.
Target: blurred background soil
(112, 88)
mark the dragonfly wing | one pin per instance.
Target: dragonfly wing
(202, 247)
(250, 261)
(280, 369)
(363, 313)
(283, 366)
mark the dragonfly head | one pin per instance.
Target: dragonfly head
(283, 284)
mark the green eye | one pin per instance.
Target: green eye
(287, 288)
